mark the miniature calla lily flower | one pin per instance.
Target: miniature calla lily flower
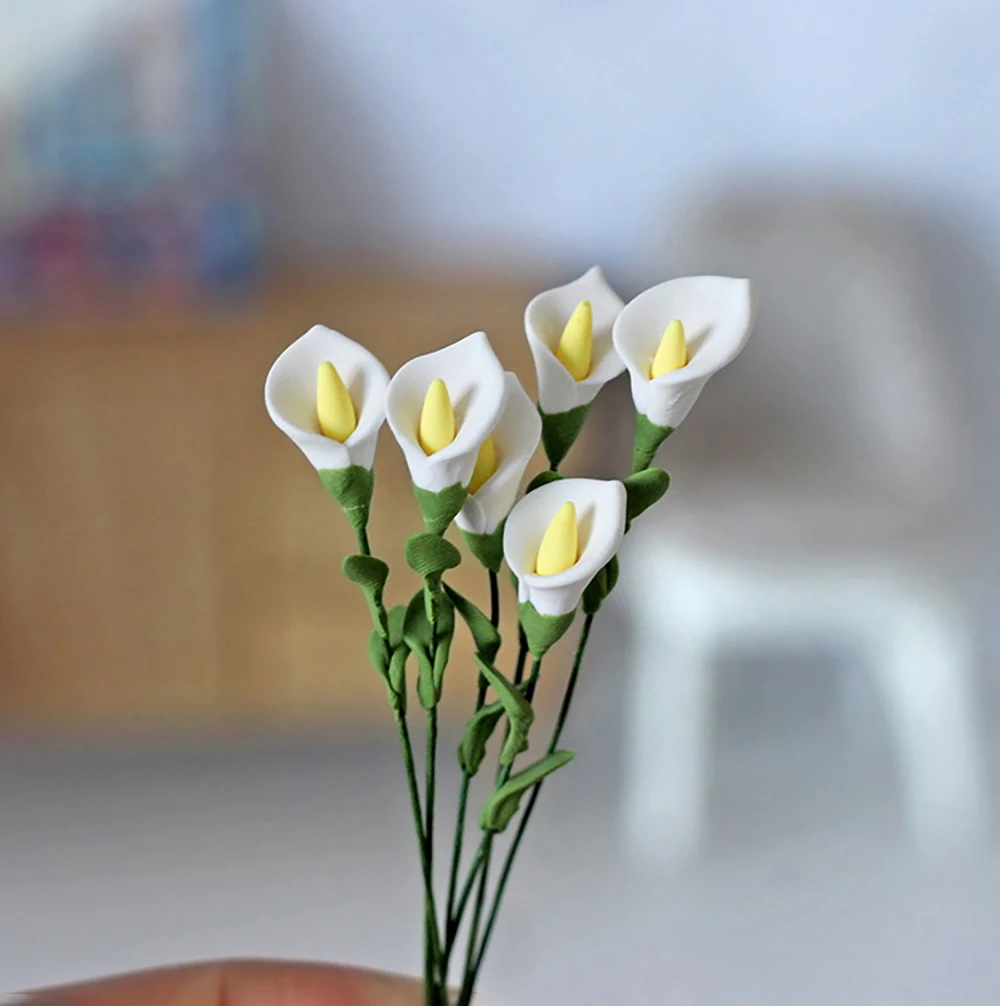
(325, 381)
(558, 323)
(442, 406)
(675, 336)
(581, 516)
(513, 443)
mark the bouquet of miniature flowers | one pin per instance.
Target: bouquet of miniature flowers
(468, 431)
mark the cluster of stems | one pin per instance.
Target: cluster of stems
(468, 915)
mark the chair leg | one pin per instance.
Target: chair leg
(925, 672)
(667, 738)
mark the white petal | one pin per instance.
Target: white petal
(717, 314)
(600, 510)
(516, 438)
(475, 383)
(290, 396)
(544, 319)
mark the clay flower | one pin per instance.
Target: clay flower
(327, 393)
(675, 336)
(442, 406)
(511, 446)
(559, 536)
(569, 333)
(592, 305)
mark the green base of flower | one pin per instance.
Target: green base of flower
(648, 438)
(440, 509)
(560, 430)
(542, 632)
(487, 548)
(352, 488)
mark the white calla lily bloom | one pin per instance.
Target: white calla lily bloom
(290, 396)
(717, 315)
(474, 379)
(544, 319)
(515, 437)
(600, 512)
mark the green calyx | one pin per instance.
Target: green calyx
(487, 548)
(560, 430)
(648, 437)
(542, 631)
(352, 488)
(440, 509)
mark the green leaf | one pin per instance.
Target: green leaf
(560, 430)
(440, 509)
(397, 618)
(542, 479)
(515, 705)
(378, 653)
(442, 642)
(430, 648)
(370, 575)
(472, 750)
(598, 589)
(648, 437)
(429, 556)
(643, 489)
(396, 679)
(366, 571)
(502, 804)
(352, 488)
(484, 634)
(419, 639)
(487, 548)
(542, 631)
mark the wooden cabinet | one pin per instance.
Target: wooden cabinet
(168, 557)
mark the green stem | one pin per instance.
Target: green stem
(433, 948)
(432, 951)
(522, 656)
(363, 546)
(536, 670)
(452, 918)
(532, 800)
(465, 996)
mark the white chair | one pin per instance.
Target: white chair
(820, 491)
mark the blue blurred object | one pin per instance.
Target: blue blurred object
(136, 164)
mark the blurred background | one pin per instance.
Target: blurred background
(787, 779)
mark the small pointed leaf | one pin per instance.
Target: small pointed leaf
(502, 804)
(472, 750)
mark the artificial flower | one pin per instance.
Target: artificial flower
(545, 321)
(300, 378)
(474, 383)
(514, 441)
(598, 507)
(712, 317)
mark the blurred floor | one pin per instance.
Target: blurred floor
(808, 893)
